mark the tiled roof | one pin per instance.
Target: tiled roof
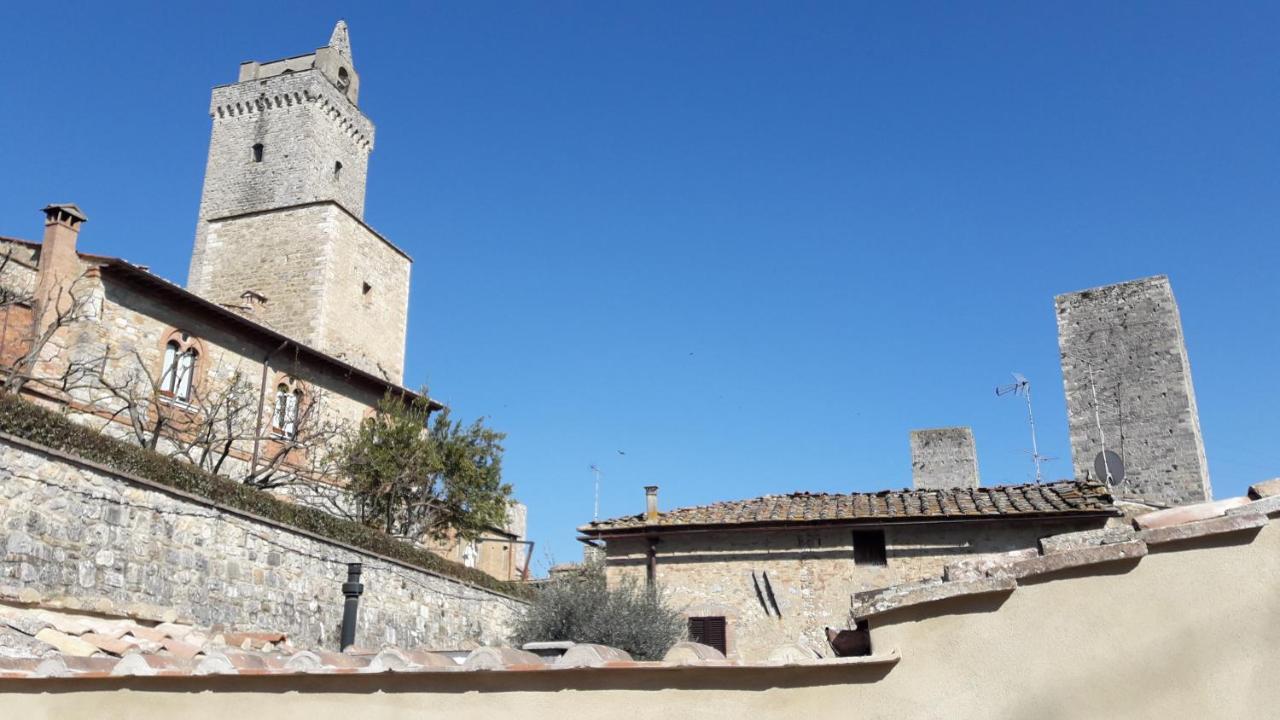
(1006, 501)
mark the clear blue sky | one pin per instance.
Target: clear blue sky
(751, 245)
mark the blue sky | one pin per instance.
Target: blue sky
(749, 245)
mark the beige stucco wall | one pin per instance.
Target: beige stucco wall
(811, 572)
(1191, 633)
(1187, 633)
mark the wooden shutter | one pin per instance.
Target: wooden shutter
(708, 631)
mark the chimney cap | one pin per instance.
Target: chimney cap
(69, 208)
(651, 489)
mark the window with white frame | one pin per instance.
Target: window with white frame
(284, 422)
(178, 370)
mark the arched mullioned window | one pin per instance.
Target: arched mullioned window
(178, 368)
(284, 420)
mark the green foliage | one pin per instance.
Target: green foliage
(39, 425)
(582, 607)
(411, 480)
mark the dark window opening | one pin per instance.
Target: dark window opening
(343, 79)
(337, 171)
(365, 289)
(708, 631)
(257, 152)
(868, 548)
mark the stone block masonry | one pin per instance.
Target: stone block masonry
(1124, 342)
(943, 458)
(79, 535)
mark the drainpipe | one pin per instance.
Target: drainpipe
(351, 590)
(651, 518)
(262, 399)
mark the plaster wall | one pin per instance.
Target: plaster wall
(1191, 632)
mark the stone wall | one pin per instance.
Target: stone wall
(82, 536)
(1125, 343)
(811, 572)
(943, 458)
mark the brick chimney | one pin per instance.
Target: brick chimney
(650, 503)
(59, 264)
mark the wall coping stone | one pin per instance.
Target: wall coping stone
(1232, 522)
(869, 603)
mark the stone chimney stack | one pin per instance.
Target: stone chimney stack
(59, 265)
(943, 458)
(651, 503)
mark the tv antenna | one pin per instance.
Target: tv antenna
(1022, 386)
(598, 473)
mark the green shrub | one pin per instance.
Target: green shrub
(51, 429)
(582, 607)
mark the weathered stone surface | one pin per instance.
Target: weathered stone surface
(791, 653)
(591, 655)
(1265, 506)
(496, 658)
(943, 458)
(174, 555)
(1079, 557)
(1086, 538)
(1263, 489)
(1232, 522)
(692, 653)
(1123, 344)
(14, 644)
(874, 602)
(1188, 513)
(66, 644)
(977, 567)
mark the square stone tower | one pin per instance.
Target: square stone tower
(943, 458)
(1123, 343)
(282, 211)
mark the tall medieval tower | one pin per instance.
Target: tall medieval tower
(282, 212)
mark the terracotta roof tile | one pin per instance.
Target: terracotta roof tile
(1006, 501)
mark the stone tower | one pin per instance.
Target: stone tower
(1125, 341)
(943, 458)
(282, 212)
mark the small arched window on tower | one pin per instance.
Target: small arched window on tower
(344, 79)
(257, 152)
(337, 170)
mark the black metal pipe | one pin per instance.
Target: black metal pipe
(351, 589)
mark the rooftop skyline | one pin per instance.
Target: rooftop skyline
(729, 251)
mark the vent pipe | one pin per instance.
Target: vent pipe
(351, 589)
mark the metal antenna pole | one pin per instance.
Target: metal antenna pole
(1035, 448)
(595, 514)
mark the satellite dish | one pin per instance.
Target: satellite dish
(1109, 467)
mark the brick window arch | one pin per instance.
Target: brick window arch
(181, 360)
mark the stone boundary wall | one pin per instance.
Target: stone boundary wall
(79, 535)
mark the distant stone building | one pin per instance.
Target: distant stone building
(292, 327)
(754, 574)
(1128, 389)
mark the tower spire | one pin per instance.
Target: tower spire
(340, 42)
